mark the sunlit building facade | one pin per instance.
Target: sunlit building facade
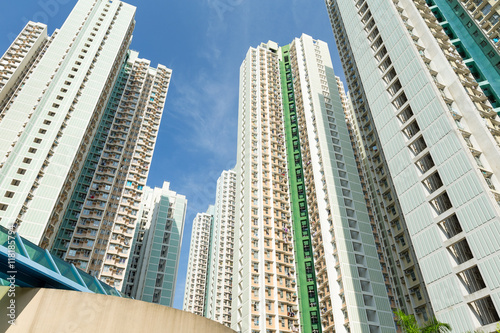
(152, 269)
(195, 291)
(52, 104)
(430, 143)
(220, 262)
(80, 114)
(100, 221)
(19, 59)
(305, 253)
(474, 30)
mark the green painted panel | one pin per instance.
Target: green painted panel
(306, 284)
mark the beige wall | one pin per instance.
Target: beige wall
(62, 311)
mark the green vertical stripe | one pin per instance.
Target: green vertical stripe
(306, 284)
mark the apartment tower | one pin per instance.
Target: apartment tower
(154, 260)
(103, 209)
(19, 59)
(220, 263)
(52, 103)
(264, 290)
(305, 253)
(474, 30)
(430, 139)
(195, 291)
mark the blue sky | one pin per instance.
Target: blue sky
(204, 43)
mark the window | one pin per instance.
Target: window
(15, 182)
(406, 114)
(425, 163)
(484, 310)
(478, 161)
(389, 76)
(433, 182)
(411, 130)
(394, 88)
(472, 279)
(400, 101)
(21, 171)
(418, 146)
(46, 122)
(486, 9)
(3, 207)
(42, 131)
(9, 194)
(27, 160)
(32, 150)
(460, 251)
(37, 140)
(418, 294)
(441, 203)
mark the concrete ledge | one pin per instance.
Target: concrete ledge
(62, 311)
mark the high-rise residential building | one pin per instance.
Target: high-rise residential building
(196, 279)
(264, 289)
(486, 14)
(431, 154)
(474, 30)
(152, 268)
(100, 219)
(372, 210)
(20, 58)
(306, 257)
(220, 262)
(51, 117)
(80, 119)
(342, 233)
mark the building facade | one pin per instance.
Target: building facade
(81, 115)
(220, 263)
(103, 209)
(305, 253)
(152, 268)
(431, 142)
(20, 58)
(474, 30)
(334, 216)
(195, 292)
(49, 120)
(264, 287)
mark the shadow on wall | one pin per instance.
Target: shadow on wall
(51, 310)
